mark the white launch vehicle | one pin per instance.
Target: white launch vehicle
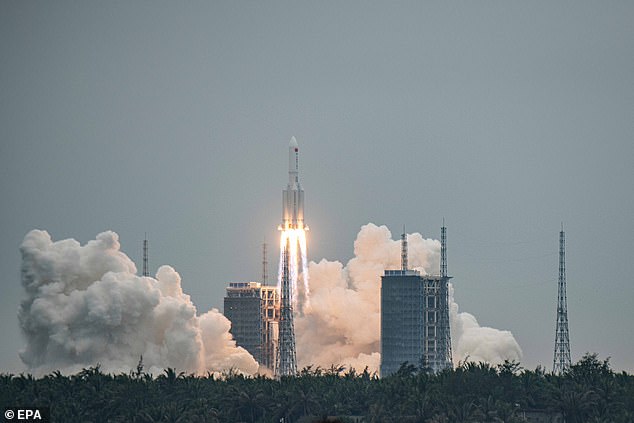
(293, 195)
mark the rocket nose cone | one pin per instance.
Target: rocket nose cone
(293, 142)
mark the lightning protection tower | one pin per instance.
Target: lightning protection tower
(404, 250)
(444, 347)
(265, 265)
(146, 272)
(561, 360)
(286, 357)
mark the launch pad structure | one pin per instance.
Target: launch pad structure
(415, 316)
(415, 321)
(286, 357)
(293, 251)
(262, 315)
(253, 310)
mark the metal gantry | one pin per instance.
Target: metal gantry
(286, 357)
(561, 360)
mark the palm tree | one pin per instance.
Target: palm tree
(304, 400)
(575, 403)
(463, 412)
(170, 375)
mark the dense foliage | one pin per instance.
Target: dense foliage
(589, 392)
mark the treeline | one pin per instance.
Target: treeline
(473, 392)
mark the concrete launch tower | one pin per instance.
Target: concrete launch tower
(253, 308)
(415, 316)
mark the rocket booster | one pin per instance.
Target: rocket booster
(293, 195)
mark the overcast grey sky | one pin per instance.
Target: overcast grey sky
(173, 118)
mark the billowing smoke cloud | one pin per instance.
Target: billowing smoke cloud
(473, 342)
(85, 305)
(342, 325)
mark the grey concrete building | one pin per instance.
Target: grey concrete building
(415, 317)
(253, 310)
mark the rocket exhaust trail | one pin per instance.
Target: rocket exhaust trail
(302, 246)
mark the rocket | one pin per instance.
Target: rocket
(293, 195)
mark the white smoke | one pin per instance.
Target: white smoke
(342, 325)
(472, 342)
(85, 305)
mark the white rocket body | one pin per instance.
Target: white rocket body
(293, 195)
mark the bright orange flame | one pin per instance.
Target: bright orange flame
(297, 256)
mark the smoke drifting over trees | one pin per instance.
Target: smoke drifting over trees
(86, 305)
(342, 326)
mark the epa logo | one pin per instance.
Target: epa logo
(25, 414)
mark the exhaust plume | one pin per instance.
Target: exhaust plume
(85, 305)
(472, 342)
(343, 324)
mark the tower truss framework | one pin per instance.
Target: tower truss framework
(561, 360)
(444, 349)
(146, 271)
(286, 356)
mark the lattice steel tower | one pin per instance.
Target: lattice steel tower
(444, 326)
(443, 250)
(265, 265)
(561, 360)
(286, 357)
(146, 271)
(404, 250)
